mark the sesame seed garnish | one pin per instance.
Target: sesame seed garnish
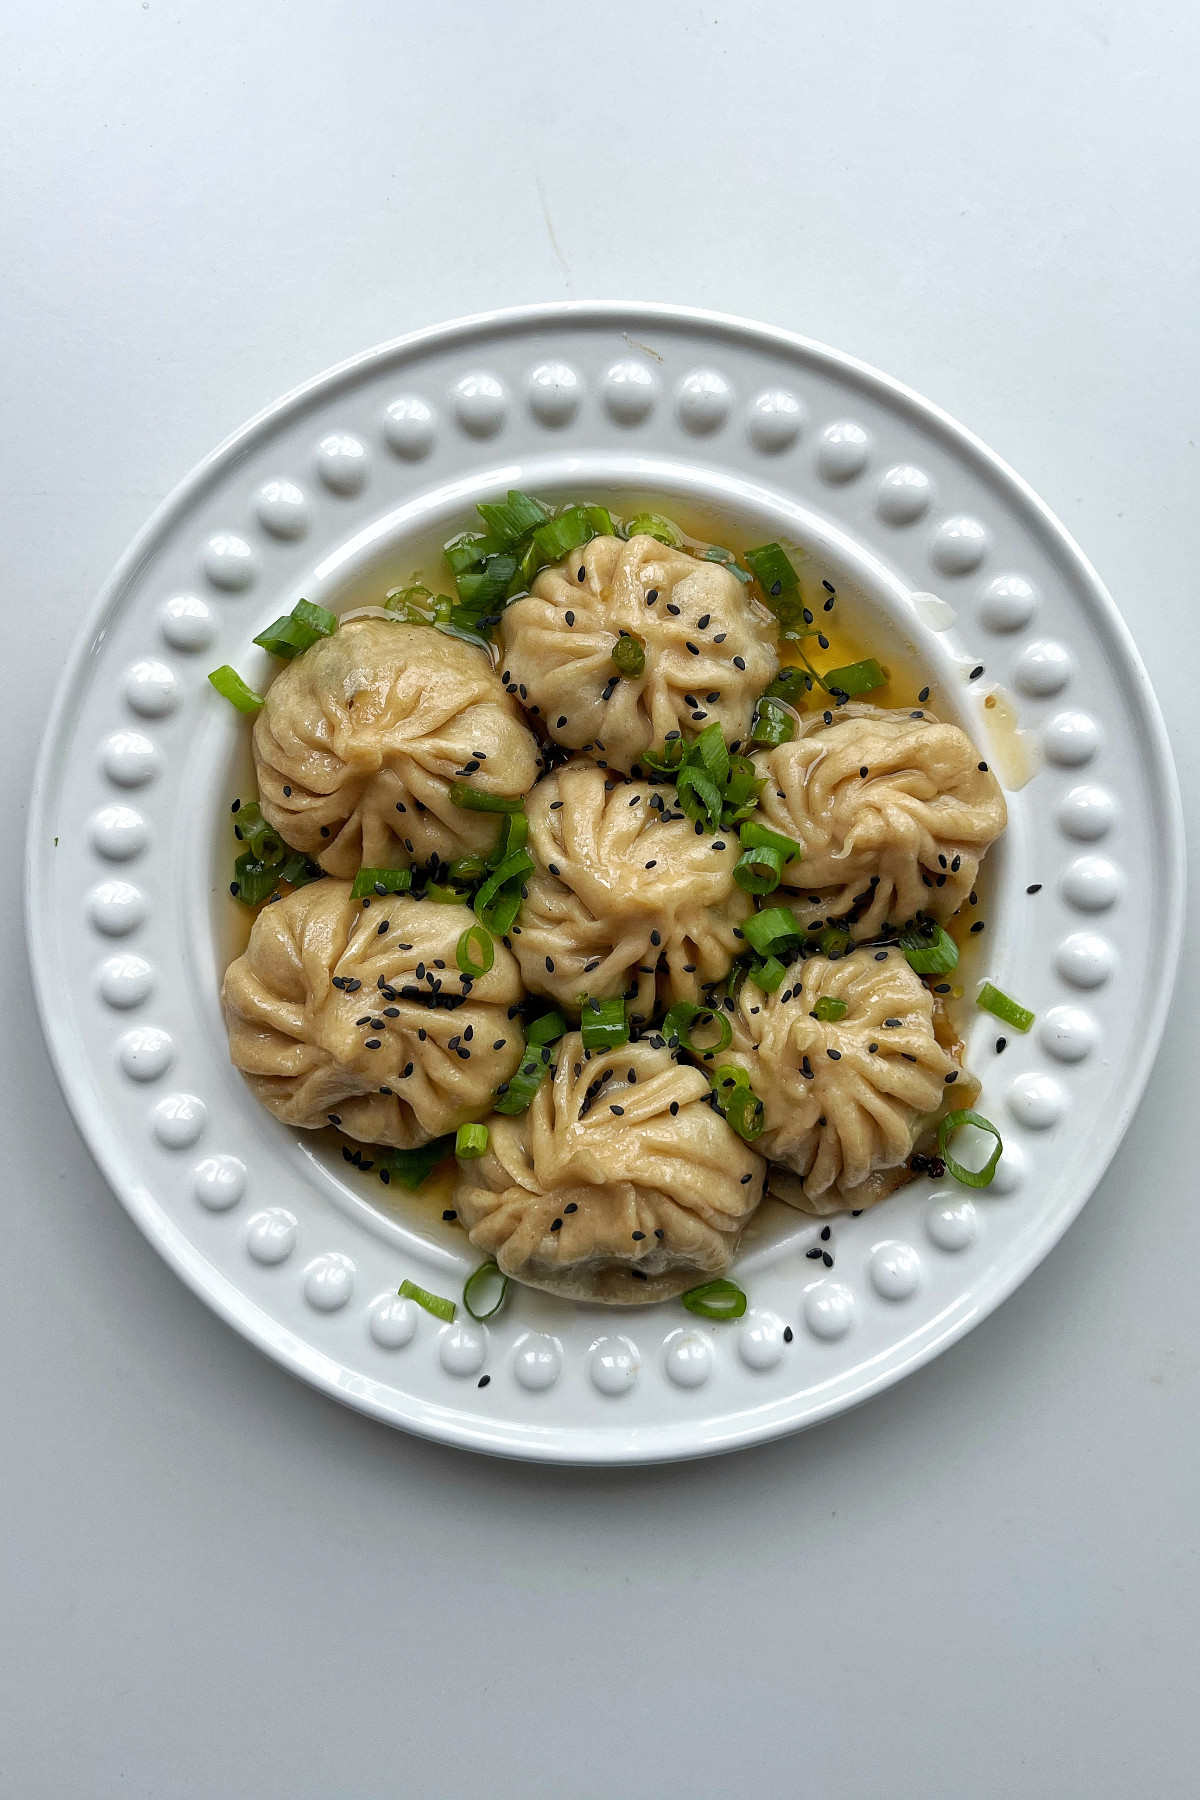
(1035, 889)
(976, 672)
(695, 649)
(570, 618)
(828, 718)
(550, 965)
(1000, 1045)
(637, 1236)
(619, 1110)
(834, 1055)
(978, 925)
(483, 1381)
(674, 1109)
(672, 608)
(374, 1044)
(739, 662)
(863, 771)
(651, 863)
(582, 571)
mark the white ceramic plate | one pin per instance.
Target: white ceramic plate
(129, 865)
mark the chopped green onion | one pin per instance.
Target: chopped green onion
(500, 913)
(976, 1178)
(469, 551)
(769, 974)
(415, 602)
(475, 951)
(930, 950)
(600, 520)
(603, 1024)
(471, 1142)
(369, 882)
(1011, 1011)
(513, 868)
(741, 791)
(777, 580)
(683, 1015)
(299, 870)
(570, 531)
(715, 1300)
(834, 941)
(480, 588)
(230, 685)
(828, 1011)
(771, 929)
(755, 836)
(511, 521)
(442, 895)
(262, 838)
(546, 1030)
(525, 1083)
(485, 1273)
(471, 800)
(856, 678)
(772, 725)
(788, 685)
(465, 869)
(758, 870)
(699, 796)
(433, 1303)
(514, 830)
(411, 1167)
(629, 656)
(669, 759)
(744, 1111)
(286, 638)
(729, 1075)
(316, 618)
(256, 879)
(653, 525)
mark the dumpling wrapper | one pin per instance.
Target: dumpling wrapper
(567, 669)
(369, 726)
(874, 1103)
(295, 1036)
(906, 837)
(593, 903)
(610, 1176)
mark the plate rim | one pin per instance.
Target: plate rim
(105, 1145)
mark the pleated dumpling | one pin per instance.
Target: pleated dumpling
(620, 1183)
(709, 649)
(357, 1015)
(362, 737)
(895, 813)
(844, 1099)
(624, 887)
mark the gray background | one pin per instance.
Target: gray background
(218, 1583)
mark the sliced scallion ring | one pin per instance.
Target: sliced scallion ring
(684, 1014)
(744, 1111)
(758, 870)
(546, 1030)
(773, 725)
(929, 950)
(603, 1024)
(231, 687)
(976, 1178)
(471, 1141)
(433, 1303)
(768, 974)
(475, 1291)
(856, 678)
(715, 1300)
(471, 800)
(772, 929)
(754, 836)
(475, 951)
(828, 1011)
(369, 882)
(629, 656)
(525, 1083)
(411, 1167)
(1004, 1007)
(654, 525)
(446, 896)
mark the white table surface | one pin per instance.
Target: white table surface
(218, 1583)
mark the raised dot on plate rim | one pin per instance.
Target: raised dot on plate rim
(1092, 884)
(760, 1339)
(951, 1221)
(462, 1347)
(1085, 959)
(177, 1120)
(151, 688)
(1068, 1033)
(1070, 739)
(1036, 1101)
(392, 1322)
(536, 1361)
(118, 833)
(703, 400)
(343, 463)
(145, 1053)
(410, 426)
(129, 759)
(688, 1358)
(115, 908)
(328, 1281)
(229, 562)
(959, 544)
(1043, 668)
(614, 1365)
(1087, 813)
(894, 1269)
(628, 391)
(219, 1182)
(281, 509)
(1010, 1171)
(774, 420)
(480, 403)
(185, 622)
(905, 494)
(828, 1308)
(554, 392)
(843, 450)
(271, 1236)
(1008, 603)
(125, 980)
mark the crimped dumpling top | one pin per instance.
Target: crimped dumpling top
(709, 650)
(619, 1184)
(358, 1016)
(895, 813)
(623, 887)
(843, 1101)
(362, 737)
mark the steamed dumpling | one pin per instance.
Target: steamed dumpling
(619, 1183)
(362, 737)
(333, 1018)
(558, 644)
(617, 891)
(845, 1102)
(895, 814)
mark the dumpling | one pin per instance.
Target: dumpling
(620, 1183)
(709, 650)
(357, 1015)
(363, 735)
(895, 814)
(617, 892)
(843, 1102)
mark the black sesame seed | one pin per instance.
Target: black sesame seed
(871, 1049)
(863, 771)
(983, 768)
(674, 1109)
(695, 650)
(978, 925)
(651, 864)
(672, 608)
(822, 640)
(638, 1236)
(483, 1381)
(827, 1259)
(812, 1254)
(825, 1234)
(582, 571)
(828, 717)
(834, 1055)
(976, 672)
(720, 637)
(747, 1178)
(619, 1110)
(739, 662)
(1000, 1045)
(1035, 889)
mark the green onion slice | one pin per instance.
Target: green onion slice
(471, 800)
(433, 1303)
(514, 830)
(546, 1030)
(856, 678)
(833, 941)
(1011, 1011)
(976, 1178)
(513, 868)
(230, 685)
(744, 1111)
(768, 974)
(684, 1014)
(470, 1142)
(286, 638)
(930, 950)
(715, 1300)
(727, 1077)
(629, 656)
(256, 878)
(772, 725)
(525, 1083)
(411, 1167)
(513, 520)
(773, 571)
(603, 1024)
(788, 685)
(369, 882)
(754, 836)
(499, 914)
(758, 870)
(475, 1288)
(653, 525)
(316, 618)
(446, 896)
(480, 588)
(475, 951)
(771, 929)
(828, 1011)
(469, 551)
(570, 531)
